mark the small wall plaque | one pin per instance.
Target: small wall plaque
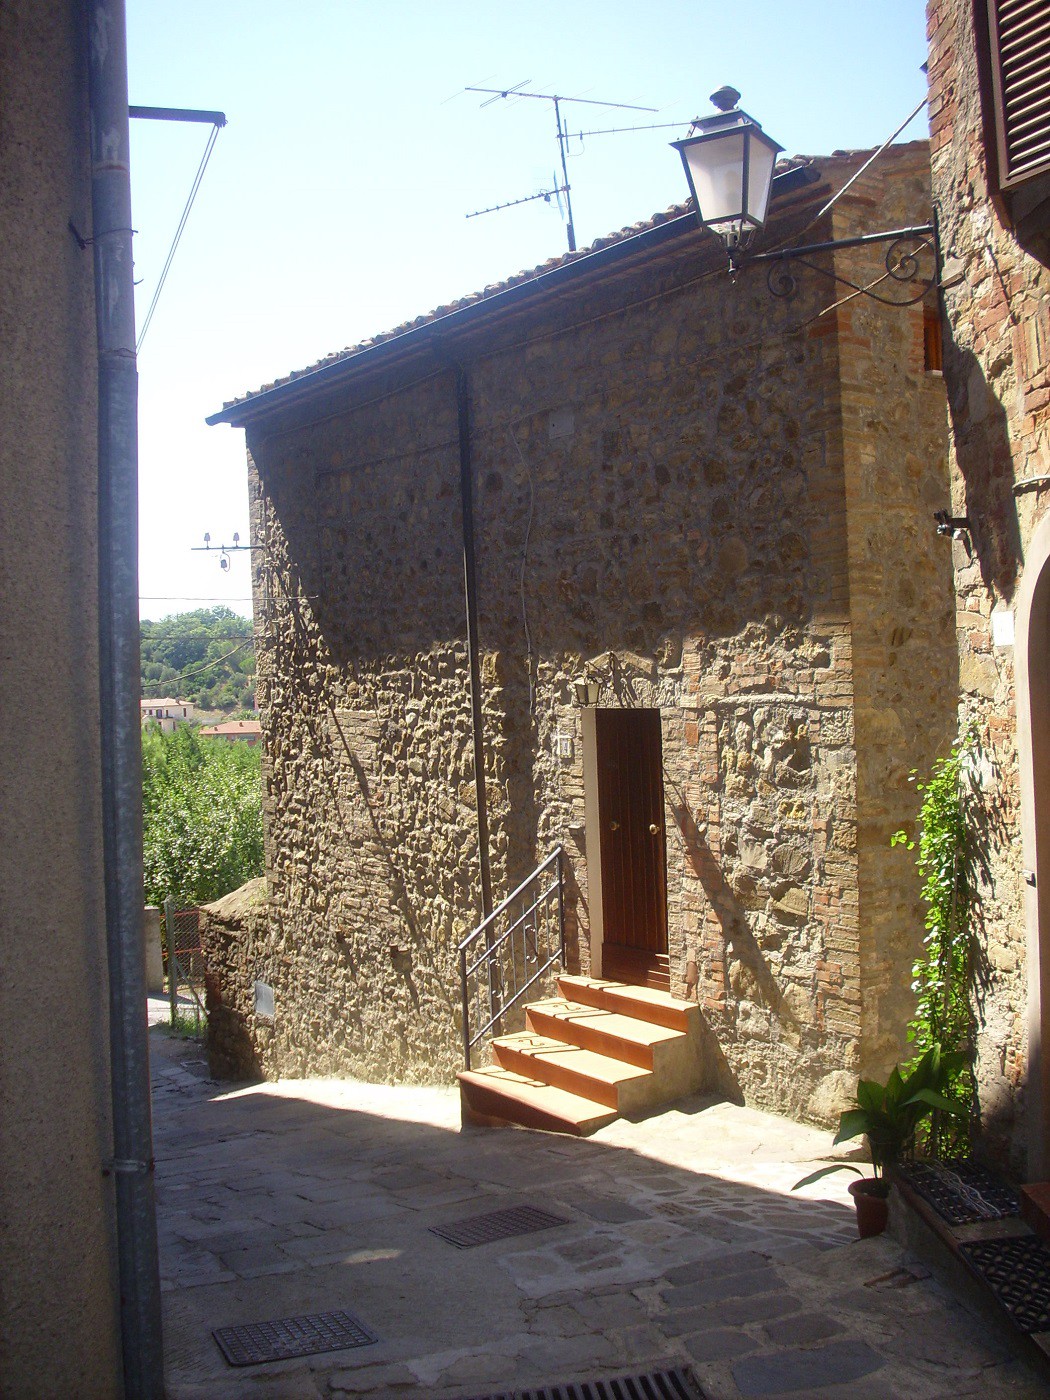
(1003, 627)
(264, 1001)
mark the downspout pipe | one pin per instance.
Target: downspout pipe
(121, 778)
(470, 589)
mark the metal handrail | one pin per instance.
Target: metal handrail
(491, 947)
(528, 921)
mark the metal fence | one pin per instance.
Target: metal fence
(184, 960)
(510, 953)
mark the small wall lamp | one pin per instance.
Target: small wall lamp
(953, 525)
(587, 691)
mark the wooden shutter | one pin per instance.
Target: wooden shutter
(1019, 45)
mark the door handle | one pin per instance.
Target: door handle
(614, 826)
(654, 828)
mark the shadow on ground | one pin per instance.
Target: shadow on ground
(682, 1245)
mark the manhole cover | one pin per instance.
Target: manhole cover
(497, 1225)
(285, 1337)
(961, 1191)
(1018, 1272)
(675, 1384)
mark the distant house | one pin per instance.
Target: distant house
(238, 731)
(167, 713)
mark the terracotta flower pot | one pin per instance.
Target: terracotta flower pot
(873, 1211)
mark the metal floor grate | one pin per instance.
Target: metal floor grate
(676, 1384)
(961, 1191)
(1017, 1270)
(286, 1337)
(498, 1225)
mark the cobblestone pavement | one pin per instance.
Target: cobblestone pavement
(683, 1246)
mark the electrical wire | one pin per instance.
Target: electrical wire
(191, 636)
(865, 291)
(794, 237)
(196, 670)
(209, 147)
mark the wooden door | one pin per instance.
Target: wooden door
(633, 847)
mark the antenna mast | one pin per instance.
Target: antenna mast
(562, 131)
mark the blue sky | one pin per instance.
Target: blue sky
(334, 204)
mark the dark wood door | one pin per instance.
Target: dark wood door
(633, 847)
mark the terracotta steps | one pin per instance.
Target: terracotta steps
(496, 1095)
(600, 1049)
(660, 1008)
(600, 1078)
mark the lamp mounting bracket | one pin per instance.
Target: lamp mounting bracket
(903, 262)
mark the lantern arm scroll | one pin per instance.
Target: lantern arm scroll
(911, 264)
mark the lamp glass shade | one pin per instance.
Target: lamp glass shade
(716, 170)
(762, 157)
(729, 166)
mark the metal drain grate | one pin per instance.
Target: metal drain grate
(286, 1337)
(1018, 1272)
(498, 1225)
(961, 1191)
(676, 1384)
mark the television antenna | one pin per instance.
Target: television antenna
(563, 136)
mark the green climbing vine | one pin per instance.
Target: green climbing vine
(944, 977)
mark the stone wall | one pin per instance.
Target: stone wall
(997, 370)
(905, 673)
(675, 487)
(234, 933)
(59, 1292)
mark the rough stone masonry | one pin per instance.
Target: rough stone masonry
(721, 503)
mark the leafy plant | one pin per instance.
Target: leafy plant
(889, 1114)
(944, 977)
(186, 1026)
(202, 816)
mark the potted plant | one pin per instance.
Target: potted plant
(888, 1114)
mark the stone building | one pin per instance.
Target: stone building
(990, 151)
(715, 502)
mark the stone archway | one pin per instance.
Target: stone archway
(1032, 658)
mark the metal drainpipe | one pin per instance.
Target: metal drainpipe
(132, 1164)
(470, 588)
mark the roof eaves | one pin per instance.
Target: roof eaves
(424, 334)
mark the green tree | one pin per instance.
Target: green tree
(205, 656)
(202, 815)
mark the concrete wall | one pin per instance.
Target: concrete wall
(58, 1297)
(997, 370)
(674, 486)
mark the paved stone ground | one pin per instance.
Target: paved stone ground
(684, 1245)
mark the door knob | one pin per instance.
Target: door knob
(614, 826)
(654, 828)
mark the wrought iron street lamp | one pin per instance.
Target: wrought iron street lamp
(729, 162)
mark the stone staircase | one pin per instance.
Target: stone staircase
(599, 1050)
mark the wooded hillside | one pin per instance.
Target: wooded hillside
(205, 656)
